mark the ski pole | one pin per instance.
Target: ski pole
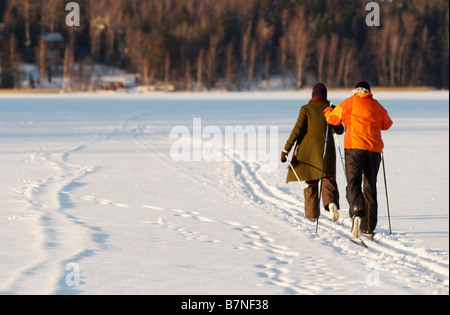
(386, 189)
(336, 141)
(295, 173)
(323, 169)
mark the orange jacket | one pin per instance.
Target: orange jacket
(363, 118)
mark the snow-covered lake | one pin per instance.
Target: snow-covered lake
(93, 202)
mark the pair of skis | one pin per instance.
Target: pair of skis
(358, 241)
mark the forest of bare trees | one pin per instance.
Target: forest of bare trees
(232, 44)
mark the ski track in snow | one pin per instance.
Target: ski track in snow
(63, 238)
(389, 252)
(392, 253)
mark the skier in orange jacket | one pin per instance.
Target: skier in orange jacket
(364, 118)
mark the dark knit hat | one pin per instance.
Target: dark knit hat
(363, 84)
(319, 90)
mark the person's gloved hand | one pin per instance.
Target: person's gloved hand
(284, 155)
(327, 112)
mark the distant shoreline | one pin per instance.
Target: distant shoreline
(55, 91)
(279, 95)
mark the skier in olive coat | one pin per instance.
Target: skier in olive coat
(309, 135)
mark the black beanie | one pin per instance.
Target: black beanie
(319, 90)
(363, 84)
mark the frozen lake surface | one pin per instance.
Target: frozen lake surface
(93, 202)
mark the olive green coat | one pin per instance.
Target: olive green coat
(309, 134)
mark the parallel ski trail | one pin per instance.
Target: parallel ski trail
(388, 252)
(59, 236)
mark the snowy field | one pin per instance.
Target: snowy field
(92, 200)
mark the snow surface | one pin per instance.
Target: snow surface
(88, 184)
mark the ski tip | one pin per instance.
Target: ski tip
(359, 242)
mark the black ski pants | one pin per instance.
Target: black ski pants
(362, 194)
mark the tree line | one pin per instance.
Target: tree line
(234, 44)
